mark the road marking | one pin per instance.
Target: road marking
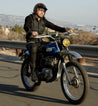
(95, 74)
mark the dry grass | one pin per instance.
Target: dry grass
(8, 52)
(84, 38)
(12, 36)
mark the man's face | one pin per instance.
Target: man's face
(41, 12)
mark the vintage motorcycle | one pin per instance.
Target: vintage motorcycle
(57, 61)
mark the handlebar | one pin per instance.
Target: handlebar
(69, 33)
(43, 36)
(50, 35)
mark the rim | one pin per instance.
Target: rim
(76, 89)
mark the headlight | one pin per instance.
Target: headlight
(66, 42)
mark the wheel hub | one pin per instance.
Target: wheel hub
(75, 82)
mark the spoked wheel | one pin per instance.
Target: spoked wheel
(75, 91)
(26, 77)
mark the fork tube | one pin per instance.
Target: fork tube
(67, 75)
(75, 72)
(69, 56)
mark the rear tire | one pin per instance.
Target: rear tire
(26, 77)
(69, 92)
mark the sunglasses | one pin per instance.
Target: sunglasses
(41, 9)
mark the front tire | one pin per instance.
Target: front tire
(26, 77)
(78, 90)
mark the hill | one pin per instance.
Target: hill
(11, 20)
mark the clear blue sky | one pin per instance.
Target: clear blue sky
(74, 11)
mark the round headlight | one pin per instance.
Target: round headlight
(66, 42)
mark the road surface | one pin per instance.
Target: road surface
(13, 93)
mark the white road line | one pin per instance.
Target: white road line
(95, 74)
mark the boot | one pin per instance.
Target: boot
(34, 77)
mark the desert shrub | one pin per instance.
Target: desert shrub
(84, 38)
(16, 36)
(12, 36)
(0, 26)
(18, 29)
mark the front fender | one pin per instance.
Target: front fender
(73, 53)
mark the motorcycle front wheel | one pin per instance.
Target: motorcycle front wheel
(26, 77)
(77, 90)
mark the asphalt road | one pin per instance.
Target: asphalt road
(13, 93)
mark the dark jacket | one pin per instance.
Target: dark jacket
(32, 24)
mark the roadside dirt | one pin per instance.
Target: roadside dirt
(90, 61)
(8, 52)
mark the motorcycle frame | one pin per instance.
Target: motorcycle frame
(62, 64)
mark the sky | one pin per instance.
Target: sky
(73, 11)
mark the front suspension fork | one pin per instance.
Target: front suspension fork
(67, 75)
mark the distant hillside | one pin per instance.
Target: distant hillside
(11, 20)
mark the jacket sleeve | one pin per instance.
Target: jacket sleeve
(27, 24)
(54, 27)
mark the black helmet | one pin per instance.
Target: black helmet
(39, 5)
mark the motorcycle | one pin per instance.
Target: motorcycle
(57, 62)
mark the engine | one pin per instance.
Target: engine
(49, 61)
(49, 67)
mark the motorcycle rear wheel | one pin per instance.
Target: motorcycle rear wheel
(78, 90)
(26, 77)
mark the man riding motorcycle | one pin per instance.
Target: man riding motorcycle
(35, 24)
